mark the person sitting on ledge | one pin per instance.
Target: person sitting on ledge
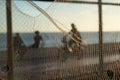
(75, 34)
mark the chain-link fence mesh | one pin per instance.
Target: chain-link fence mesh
(3, 38)
(61, 53)
(111, 37)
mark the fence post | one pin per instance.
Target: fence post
(9, 40)
(100, 39)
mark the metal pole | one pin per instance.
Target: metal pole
(9, 40)
(100, 39)
(81, 2)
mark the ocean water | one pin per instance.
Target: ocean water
(54, 39)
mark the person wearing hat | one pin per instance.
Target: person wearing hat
(37, 40)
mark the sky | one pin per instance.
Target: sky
(26, 18)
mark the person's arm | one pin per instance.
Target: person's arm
(70, 31)
(41, 42)
(41, 38)
(21, 41)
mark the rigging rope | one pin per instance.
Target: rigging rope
(71, 32)
(15, 5)
(50, 18)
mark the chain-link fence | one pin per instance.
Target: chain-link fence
(3, 38)
(61, 40)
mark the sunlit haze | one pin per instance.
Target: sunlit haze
(26, 18)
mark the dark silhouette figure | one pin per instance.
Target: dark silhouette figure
(19, 46)
(37, 40)
(17, 41)
(64, 41)
(75, 34)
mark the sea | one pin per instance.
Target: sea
(54, 39)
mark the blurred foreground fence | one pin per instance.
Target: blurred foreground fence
(97, 25)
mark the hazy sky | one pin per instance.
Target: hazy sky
(26, 18)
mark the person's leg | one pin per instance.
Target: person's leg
(70, 46)
(34, 45)
(31, 46)
(70, 43)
